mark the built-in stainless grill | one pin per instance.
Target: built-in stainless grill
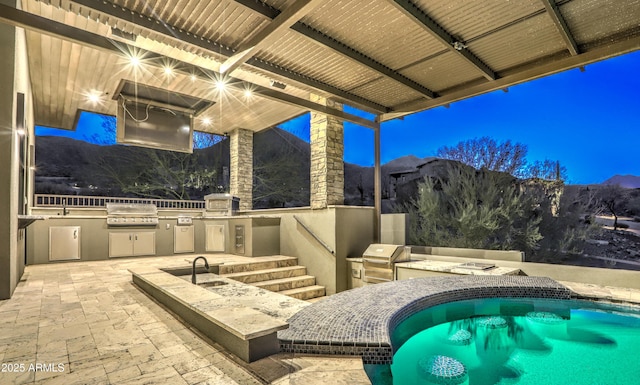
(132, 214)
(378, 261)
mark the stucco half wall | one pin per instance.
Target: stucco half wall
(346, 231)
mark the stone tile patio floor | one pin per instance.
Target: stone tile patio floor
(89, 317)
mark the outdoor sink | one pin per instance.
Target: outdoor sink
(181, 271)
(212, 283)
(476, 266)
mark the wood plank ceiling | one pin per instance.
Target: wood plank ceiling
(389, 57)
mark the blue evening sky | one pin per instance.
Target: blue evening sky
(589, 121)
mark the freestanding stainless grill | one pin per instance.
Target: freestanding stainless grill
(132, 214)
(378, 260)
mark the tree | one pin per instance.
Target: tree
(613, 199)
(153, 173)
(505, 156)
(487, 153)
(561, 223)
(108, 135)
(493, 210)
(546, 169)
(205, 139)
(474, 209)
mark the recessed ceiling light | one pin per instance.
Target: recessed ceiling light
(134, 61)
(94, 97)
(248, 93)
(220, 85)
(168, 70)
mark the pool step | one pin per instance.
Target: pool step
(287, 283)
(267, 274)
(239, 267)
(305, 293)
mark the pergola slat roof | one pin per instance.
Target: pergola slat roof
(389, 57)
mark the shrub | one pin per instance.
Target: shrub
(491, 210)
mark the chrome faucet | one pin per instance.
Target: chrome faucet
(193, 270)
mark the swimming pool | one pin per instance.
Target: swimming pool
(509, 341)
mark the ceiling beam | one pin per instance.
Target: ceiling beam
(561, 24)
(339, 47)
(423, 20)
(169, 31)
(312, 106)
(561, 63)
(270, 34)
(31, 22)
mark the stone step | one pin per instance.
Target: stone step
(239, 267)
(286, 283)
(267, 274)
(305, 293)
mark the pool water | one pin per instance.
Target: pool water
(503, 341)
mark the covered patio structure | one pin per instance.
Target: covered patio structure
(261, 63)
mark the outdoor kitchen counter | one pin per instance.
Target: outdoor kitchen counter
(238, 216)
(74, 216)
(454, 268)
(242, 318)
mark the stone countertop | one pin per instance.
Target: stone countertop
(239, 216)
(75, 216)
(454, 268)
(603, 293)
(234, 294)
(242, 309)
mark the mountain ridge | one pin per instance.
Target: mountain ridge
(68, 166)
(626, 181)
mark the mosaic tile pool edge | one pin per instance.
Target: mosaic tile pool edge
(436, 291)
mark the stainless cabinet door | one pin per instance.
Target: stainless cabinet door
(183, 239)
(64, 243)
(120, 244)
(215, 238)
(144, 243)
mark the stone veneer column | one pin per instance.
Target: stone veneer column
(327, 149)
(241, 173)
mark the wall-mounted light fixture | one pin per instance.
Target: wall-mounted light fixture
(459, 46)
